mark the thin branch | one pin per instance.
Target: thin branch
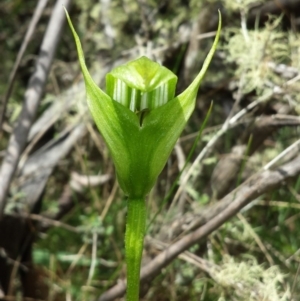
(93, 259)
(32, 99)
(45, 221)
(215, 138)
(256, 238)
(282, 154)
(229, 206)
(36, 17)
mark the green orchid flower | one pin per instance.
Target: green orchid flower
(140, 119)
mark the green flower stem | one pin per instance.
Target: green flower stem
(134, 240)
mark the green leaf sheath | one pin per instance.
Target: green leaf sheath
(134, 239)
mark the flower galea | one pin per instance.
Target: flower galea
(139, 117)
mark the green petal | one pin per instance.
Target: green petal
(143, 74)
(164, 125)
(112, 119)
(141, 84)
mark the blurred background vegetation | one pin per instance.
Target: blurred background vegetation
(255, 255)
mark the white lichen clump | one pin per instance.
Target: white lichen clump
(249, 281)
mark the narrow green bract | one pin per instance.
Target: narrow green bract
(140, 120)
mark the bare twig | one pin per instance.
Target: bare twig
(93, 259)
(36, 17)
(256, 238)
(47, 221)
(109, 201)
(32, 99)
(295, 281)
(187, 256)
(215, 138)
(228, 207)
(282, 154)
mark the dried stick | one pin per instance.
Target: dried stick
(36, 17)
(232, 204)
(32, 99)
(215, 138)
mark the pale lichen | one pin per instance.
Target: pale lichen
(250, 281)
